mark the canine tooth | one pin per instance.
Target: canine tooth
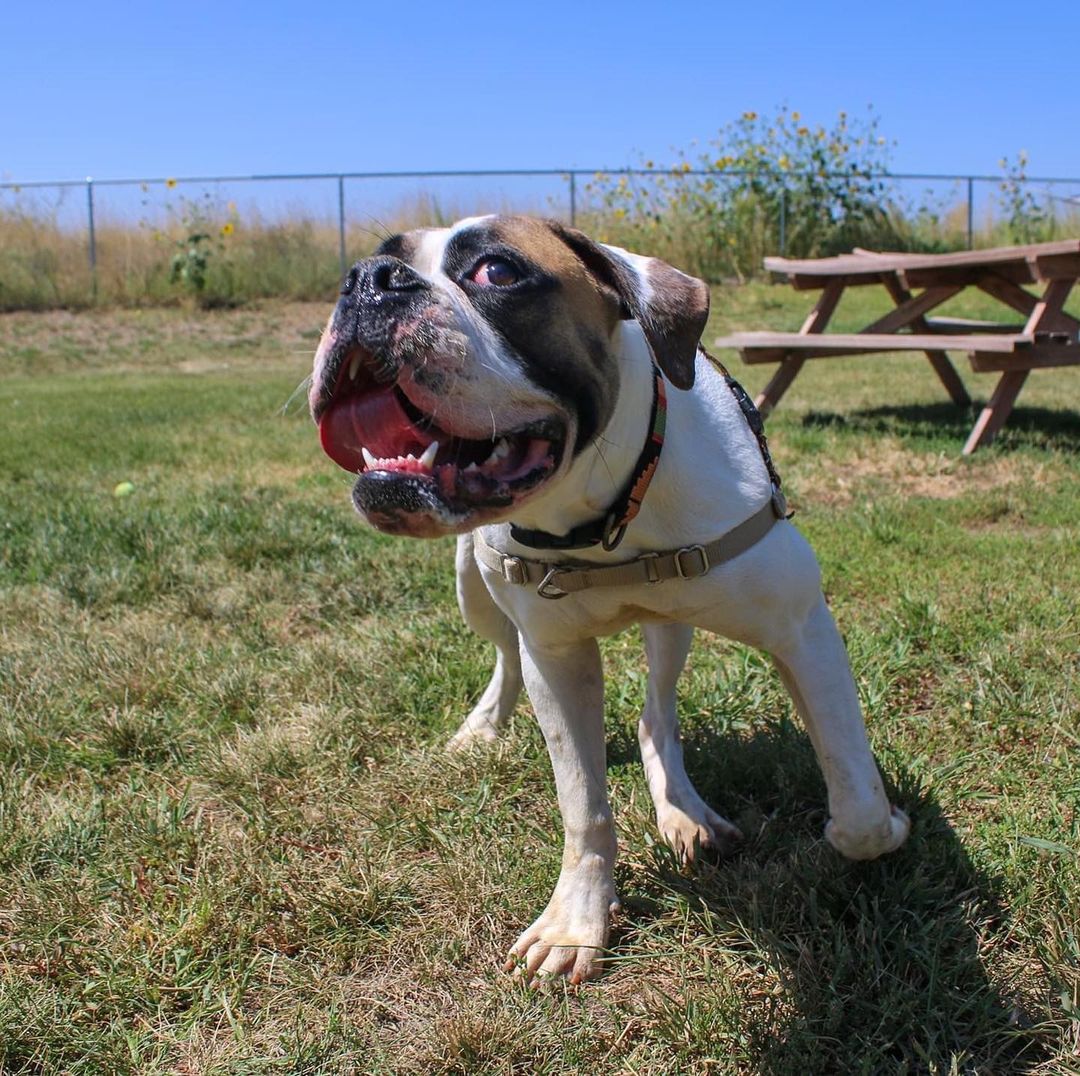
(502, 449)
(428, 456)
(354, 367)
(472, 467)
(369, 459)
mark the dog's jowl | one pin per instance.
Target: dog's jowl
(545, 398)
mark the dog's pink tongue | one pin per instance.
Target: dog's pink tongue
(375, 421)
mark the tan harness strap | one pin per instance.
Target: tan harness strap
(557, 579)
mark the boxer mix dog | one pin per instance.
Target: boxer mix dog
(545, 397)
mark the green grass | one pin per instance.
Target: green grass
(230, 840)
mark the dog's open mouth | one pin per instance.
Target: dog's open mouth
(371, 428)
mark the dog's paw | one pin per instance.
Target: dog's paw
(869, 842)
(698, 829)
(472, 734)
(568, 940)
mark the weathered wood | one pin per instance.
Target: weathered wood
(818, 318)
(1039, 357)
(863, 261)
(778, 384)
(1047, 314)
(939, 361)
(790, 365)
(912, 309)
(997, 410)
(1007, 292)
(962, 325)
(761, 347)
(1050, 337)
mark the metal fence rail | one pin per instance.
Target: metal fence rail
(570, 176)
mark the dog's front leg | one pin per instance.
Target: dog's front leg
(481, 613)
(684, 819)
(565, 685)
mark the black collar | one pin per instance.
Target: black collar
(608, 531)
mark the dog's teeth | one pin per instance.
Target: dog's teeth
(369, 459)
(499, 452)
(472, 467)
(410, 456)
(427, 459)
(354, 367)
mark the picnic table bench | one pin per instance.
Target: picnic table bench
(1047, 337)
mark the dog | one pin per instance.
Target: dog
(545, 398)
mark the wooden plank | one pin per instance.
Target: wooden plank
(811, 345)
(960, 325)
(790, 365)
(868, 261)
(1005, 291)
(1039, 357)
(778, 384)
(912, 309)
(939, 361)
(1047, 312)
(818, 318)
(997, 410)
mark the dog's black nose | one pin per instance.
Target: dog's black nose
(382, 276)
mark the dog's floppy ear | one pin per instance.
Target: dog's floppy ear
(670, 306)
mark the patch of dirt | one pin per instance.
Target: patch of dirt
(887, 463)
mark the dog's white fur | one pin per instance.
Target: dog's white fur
(710, 478)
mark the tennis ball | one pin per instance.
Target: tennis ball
(124, 489)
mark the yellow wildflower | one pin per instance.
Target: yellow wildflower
(749, 116)
(228, 228)
(802, 132)
(170, 183)
(795, 117)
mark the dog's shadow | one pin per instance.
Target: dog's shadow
(878, 962)
(1039, 427)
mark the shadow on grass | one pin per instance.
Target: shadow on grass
(879, 962)
(1035, 427)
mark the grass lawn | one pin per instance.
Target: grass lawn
(230, 840)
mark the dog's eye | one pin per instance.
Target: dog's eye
(495, 273)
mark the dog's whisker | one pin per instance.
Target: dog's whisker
(302, 387)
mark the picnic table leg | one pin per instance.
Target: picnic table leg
(997, 409)
(949, 377)
(790, 365)
(938, 359)
(778, 384)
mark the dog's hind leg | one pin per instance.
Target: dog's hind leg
(813, 664)
(684, 819)
(489, 622)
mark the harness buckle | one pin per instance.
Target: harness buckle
(548, 588)
(651, 570)
(779, 504)
(513, 570)
(694, 571)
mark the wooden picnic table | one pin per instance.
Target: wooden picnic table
(917, 283)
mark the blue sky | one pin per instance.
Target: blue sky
(113, 89)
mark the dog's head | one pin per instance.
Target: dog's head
(465, 368)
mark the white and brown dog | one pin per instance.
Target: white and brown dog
(501, 380)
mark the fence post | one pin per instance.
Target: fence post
(573, 199)
(783, 221)
(341, 222)
(971, 212)
(91, 237)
